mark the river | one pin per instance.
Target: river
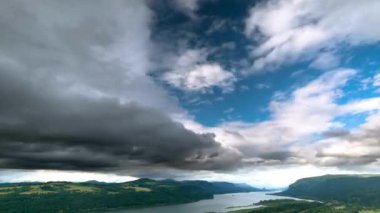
(220, 204)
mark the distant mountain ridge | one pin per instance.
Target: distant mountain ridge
(223, 187)
(356, 189)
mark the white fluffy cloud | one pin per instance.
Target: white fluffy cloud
(295, 133)
(325, 61)
(376, 80)
(294, 28)
(192, 72)
(308, 110)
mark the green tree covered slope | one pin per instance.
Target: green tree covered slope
(354, 189)
(91, 196)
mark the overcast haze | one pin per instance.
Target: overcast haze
(263, 92)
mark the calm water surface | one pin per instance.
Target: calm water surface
(219, 204)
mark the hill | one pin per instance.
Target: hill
(98, 196)
(361, 190)
(223, 187)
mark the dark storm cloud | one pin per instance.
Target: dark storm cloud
(276, 155)
(76, 93)
(45, 130)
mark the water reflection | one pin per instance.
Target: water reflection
(220, 204)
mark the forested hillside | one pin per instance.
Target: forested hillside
(354, 189)
(90, 196)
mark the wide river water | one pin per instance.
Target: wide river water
(220, 203)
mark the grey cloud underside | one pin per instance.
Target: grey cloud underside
(76, 93)
(336, 133)
(368, 138)
(44, 130)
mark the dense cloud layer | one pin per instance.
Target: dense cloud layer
(43, 129)
(76, 92)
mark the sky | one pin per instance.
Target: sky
(257, 91)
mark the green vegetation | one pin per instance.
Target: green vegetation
(334, 193)
(293, 206)
(97, 196)
(362, 190)
(91, 196)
